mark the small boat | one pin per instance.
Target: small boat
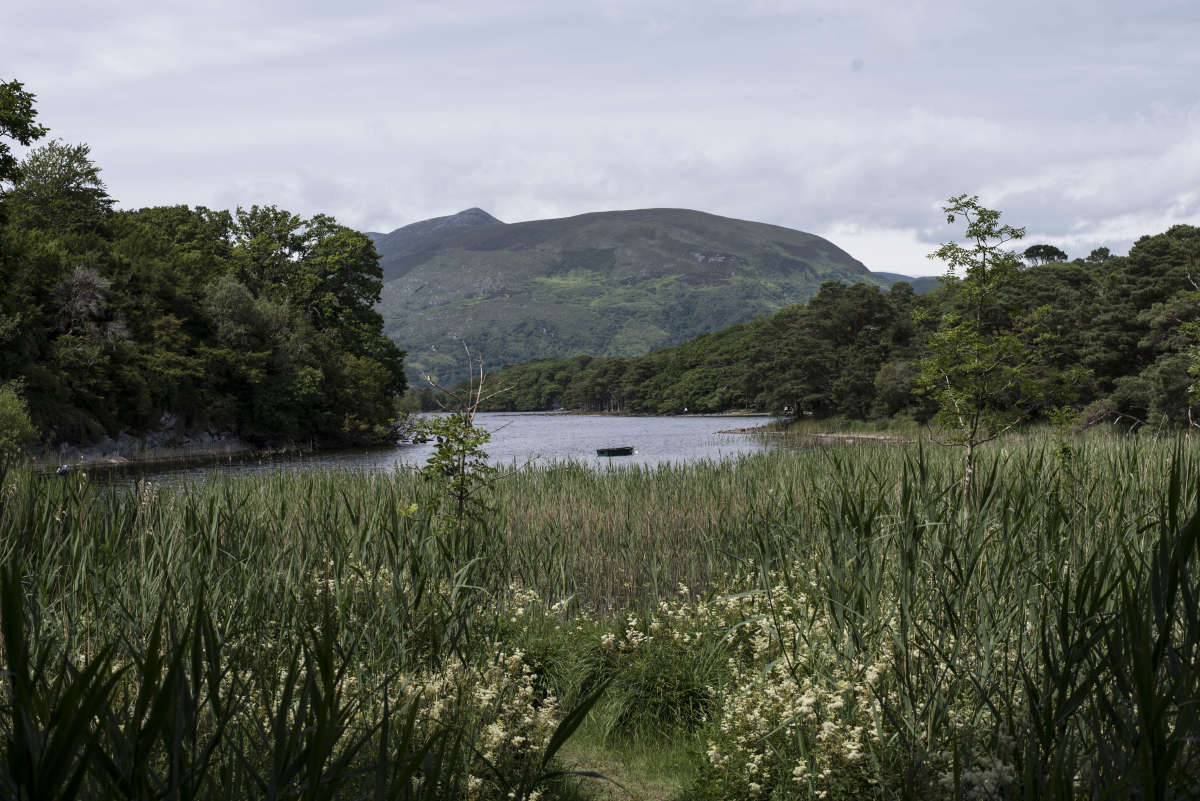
(622, 450)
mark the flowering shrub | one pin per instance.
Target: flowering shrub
(794, 720)
(508, 725)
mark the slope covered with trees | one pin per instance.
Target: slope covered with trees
(1112, 337)
(255, 322)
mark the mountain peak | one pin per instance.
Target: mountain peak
(416, 242)
(472, 216)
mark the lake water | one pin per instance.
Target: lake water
(520, 440)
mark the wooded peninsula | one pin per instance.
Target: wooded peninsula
(256, 321)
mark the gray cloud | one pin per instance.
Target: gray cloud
(1080, 121)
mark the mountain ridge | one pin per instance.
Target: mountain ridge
(616, 283)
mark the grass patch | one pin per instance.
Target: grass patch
(653, 770)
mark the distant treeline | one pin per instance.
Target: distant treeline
(255, 322)
(1115, 336)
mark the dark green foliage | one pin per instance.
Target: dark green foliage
(822, 358)
(1138, 342)
(258, 323)
(59, 190)
(16, 429)
(1043, 254)
(17, 116)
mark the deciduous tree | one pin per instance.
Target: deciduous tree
(16, 429)
(1043, 254)
(59, 189)
(17, 116)
(975, 373)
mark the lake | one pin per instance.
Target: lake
(519, 439)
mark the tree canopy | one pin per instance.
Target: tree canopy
(1043, 254)
(17, 115)
(256, 322)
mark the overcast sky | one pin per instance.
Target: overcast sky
(852, 120)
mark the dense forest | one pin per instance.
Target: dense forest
(1108, 336)
(256, 322)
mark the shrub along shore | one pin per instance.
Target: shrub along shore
(831, 622)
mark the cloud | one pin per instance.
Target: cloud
(1082, 126)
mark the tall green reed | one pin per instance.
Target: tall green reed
(1054, 627)
(259, 639)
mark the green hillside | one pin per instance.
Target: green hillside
(921, 284)
(616, 283)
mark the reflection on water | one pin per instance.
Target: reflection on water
(519, 440)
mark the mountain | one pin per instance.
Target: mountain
(408, 246)
(617, 283)
(920, 284)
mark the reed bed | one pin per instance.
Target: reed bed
(818, 623)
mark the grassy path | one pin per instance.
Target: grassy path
(646, 772)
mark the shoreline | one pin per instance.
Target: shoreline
(129, 454)
(116, 461)
(826, 435)
(584, 413)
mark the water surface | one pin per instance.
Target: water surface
(520, 440)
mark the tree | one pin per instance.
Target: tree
(82, 300)
(16, 429)
(458, 464)
(894, 383)
(269, 243)
(17, 116)
(1169, 388)
(231, 310)
(1043, 254)
(975, 372)
(325, 272)
(58, 188)
(1119, 335)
